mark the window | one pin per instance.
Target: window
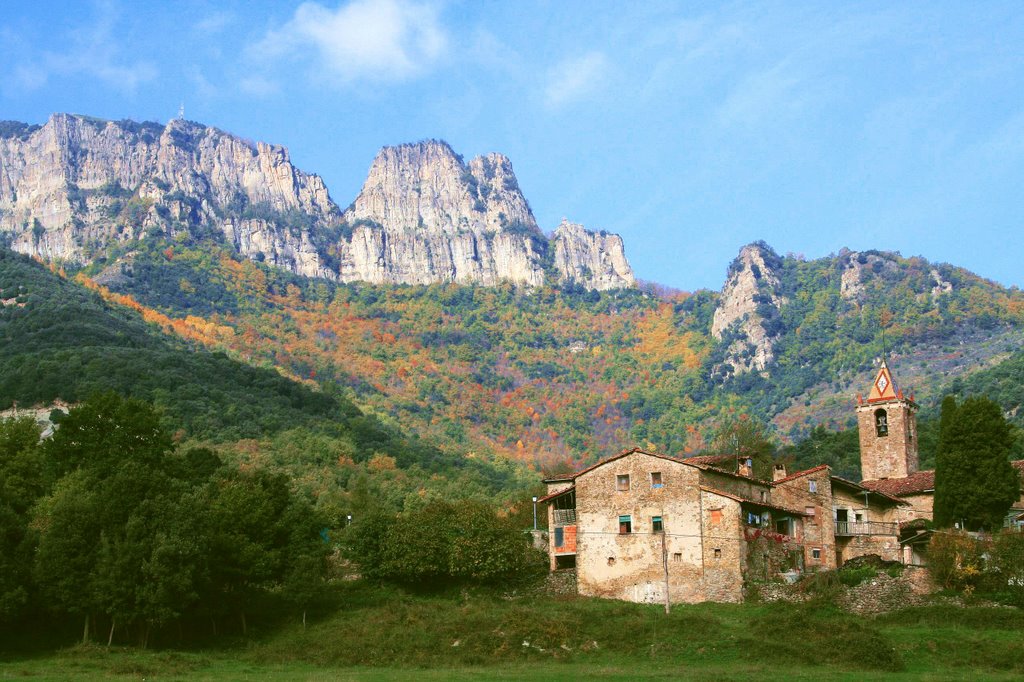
(816, 554)
(716, 516)
(858, 517)
(625, 525)
(656, 525)
(611, 561)
(812, 486)
(753, 519)
(782, 526)
(655, 479)
(622, 482)
(810, 514)
(764, 496)
(718, 553)
(881, 422)
(677, 556)
(559, 536)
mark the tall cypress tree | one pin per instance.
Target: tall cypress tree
(974, 480)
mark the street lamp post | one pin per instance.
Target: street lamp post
(348, 521)
(535, 512)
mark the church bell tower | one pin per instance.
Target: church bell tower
(887, 424)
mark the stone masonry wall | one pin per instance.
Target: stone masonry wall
(893, 455)
(632, 566)
(819, 529)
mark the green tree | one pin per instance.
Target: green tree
(260, 537)
(22, 482)
(442, 542)
(106, 431)
(745, 438)
(105, 530)
(974, 480)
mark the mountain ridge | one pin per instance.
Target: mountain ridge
(77, 187)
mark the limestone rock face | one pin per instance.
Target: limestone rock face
(424, 215)
(595, 259)
(77, 185)
(749, 301)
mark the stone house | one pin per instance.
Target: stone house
(646, 527)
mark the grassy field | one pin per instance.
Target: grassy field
(387, 633)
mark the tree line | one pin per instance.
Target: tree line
(109, 523)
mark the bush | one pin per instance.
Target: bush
(956, 560)
(442, 543)
(1007, 560)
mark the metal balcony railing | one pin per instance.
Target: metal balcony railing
(848, 528)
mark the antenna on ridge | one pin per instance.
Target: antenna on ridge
(181, 112)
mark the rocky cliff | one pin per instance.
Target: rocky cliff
(72, 187)
(749, 301)
(76, 186)
(424, 215)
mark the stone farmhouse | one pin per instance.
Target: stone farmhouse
(646, 527)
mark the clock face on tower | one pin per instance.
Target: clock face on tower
(881, 384)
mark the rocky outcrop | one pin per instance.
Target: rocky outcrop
(748, 308)
(597, 260)
(424, 215)
(73, 187)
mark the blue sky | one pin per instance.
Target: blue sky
(688, 128)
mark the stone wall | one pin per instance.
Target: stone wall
(724, 551)
(701, 543)
(819, 529)
(879, 594)
(895, 454)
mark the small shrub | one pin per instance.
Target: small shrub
(956, 560)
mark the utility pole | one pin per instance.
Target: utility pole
(664, 562)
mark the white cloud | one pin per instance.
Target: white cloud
(213, 23)
(92, 51)
(258, 85)
(574, 78)
(390, 40)
(760, 94)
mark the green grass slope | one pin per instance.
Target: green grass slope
(372, 633)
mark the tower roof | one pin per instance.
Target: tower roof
(884, 387)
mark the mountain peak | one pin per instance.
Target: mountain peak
(749, 301)
(76, 186)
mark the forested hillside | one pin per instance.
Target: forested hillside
(560, 375)
(62, 341)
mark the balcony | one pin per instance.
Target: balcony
(851, 528)
(564, 517)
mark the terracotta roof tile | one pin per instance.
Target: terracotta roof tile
(559, 493)
(798, 474)
(916, 483)
(709, 459)
(700, 462)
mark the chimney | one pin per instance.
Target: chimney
(746, 467)
(779, 472)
